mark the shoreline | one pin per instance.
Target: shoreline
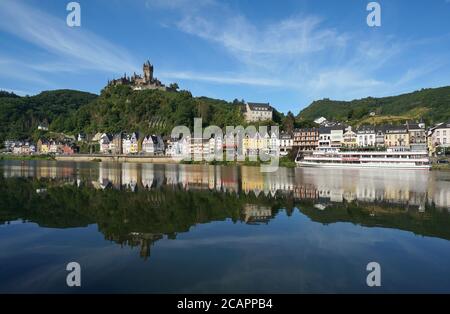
(119, 158)
(160, 160)
(140, 159)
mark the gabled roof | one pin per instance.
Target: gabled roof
(328, 129)
(324, 130)
(445, 125)
(395, 128)
(366, 129)
(259, 106)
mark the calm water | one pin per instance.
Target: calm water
(185, 228)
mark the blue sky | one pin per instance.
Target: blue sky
(288, 53)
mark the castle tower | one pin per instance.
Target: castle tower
(148, 72)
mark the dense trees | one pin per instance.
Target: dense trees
(122, 109)
(119, 108)
(432, 104)
(20, 116)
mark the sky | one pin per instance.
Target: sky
(288, 53)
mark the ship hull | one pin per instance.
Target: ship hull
(409, 166)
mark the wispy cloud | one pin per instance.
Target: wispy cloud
(290, 50)
(301, 52)
(71, 49)
(222, 79)
(16, 69)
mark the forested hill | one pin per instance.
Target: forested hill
(433, 104)
(117, 108)
(20, 116)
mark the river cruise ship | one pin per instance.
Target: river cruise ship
(391, 158)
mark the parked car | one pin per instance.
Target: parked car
(442, 161)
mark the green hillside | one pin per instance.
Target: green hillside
(433, 104)
(116, 109)
(20, 116)
(120, 108)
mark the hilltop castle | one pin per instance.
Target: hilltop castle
(138, 82)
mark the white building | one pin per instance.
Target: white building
(258, 112)
(350, 138)
(23, 148)
(331, 137)
(441, 134)
(337, 136)
(43, 127)
(324, 137)
(366, 136)
(286, 143)
(153, 145)
(104, 142)
(130, 144)
(320, 121)
(178, 147)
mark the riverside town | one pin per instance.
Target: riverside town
(223, 155)
(323, 143)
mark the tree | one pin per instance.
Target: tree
(174, 86)
(288, 122)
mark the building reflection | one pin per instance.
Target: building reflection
(406, 188)
(138, 204)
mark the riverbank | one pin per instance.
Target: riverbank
(119, 158)
(441, 167)
(27, 157)
(284, 162)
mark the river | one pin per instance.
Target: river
(173, 228)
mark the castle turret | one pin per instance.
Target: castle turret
(148, 72)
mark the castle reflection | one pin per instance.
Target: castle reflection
(138, 204)
(406, 188)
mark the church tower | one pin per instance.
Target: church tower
(148, 72)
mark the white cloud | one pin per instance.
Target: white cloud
(16, 69)
(292, 36)
(228, 78)
(341, 78)
(419, 72)
(72, 47)
(299, 53)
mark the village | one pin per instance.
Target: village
(410, 136)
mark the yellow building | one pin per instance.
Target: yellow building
(43, 147)
(250, 144)
(396, 136)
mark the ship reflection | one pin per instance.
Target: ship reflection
(137, 205)
(407, 188)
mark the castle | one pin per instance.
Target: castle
(138, 82)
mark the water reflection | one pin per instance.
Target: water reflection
(406, 188)
(138, 204)
(221, 229)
